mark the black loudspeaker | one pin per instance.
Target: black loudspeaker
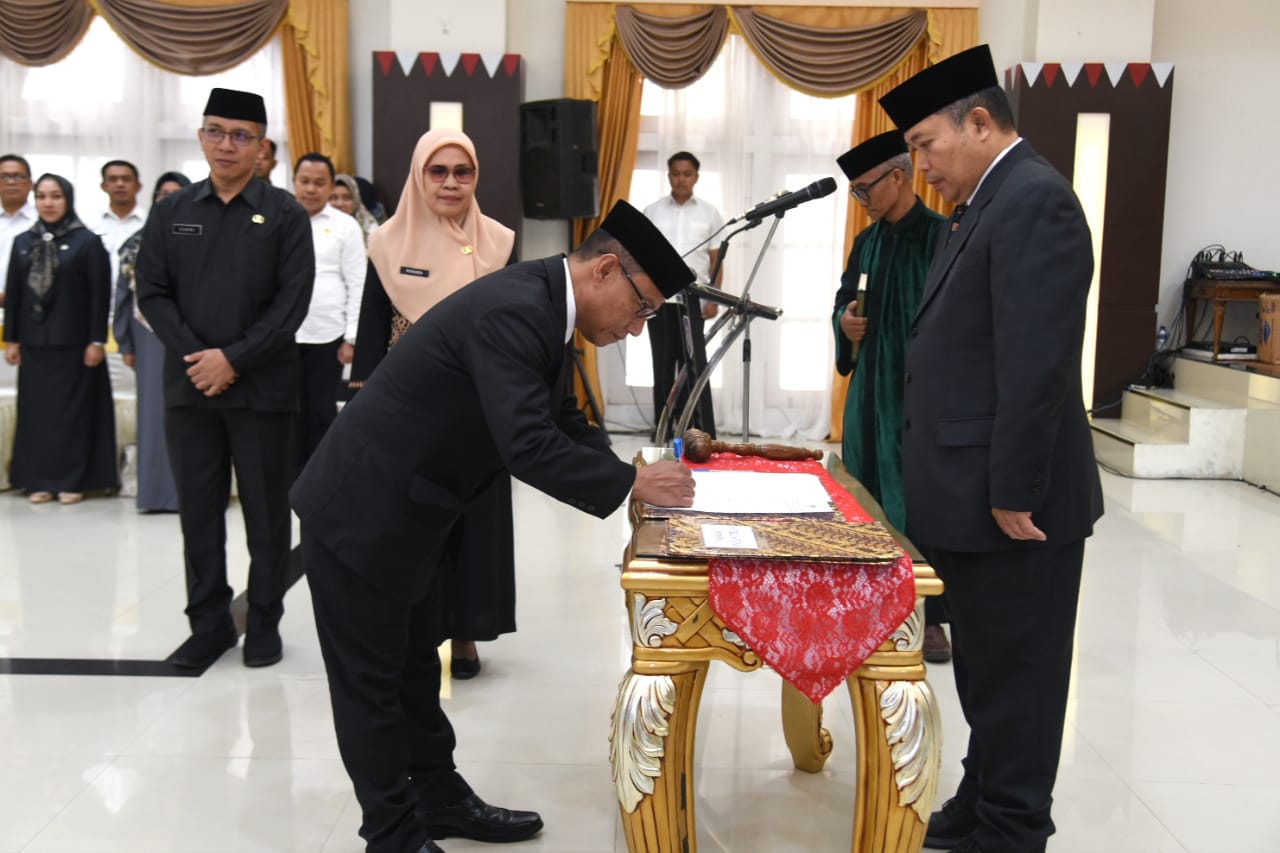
(559, 160)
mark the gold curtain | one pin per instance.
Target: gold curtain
(317, 101)
(618, 127)
(950, 31)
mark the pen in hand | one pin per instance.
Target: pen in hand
(678, 445)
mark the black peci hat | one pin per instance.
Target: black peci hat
(642, 239)
(242, 106)
(865, 156)
(940, 86)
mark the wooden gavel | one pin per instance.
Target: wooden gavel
(698, 447)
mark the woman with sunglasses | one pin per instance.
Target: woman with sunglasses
(57, 296)
(437, 242)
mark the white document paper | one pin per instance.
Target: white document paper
(735, 536)
(758, 493)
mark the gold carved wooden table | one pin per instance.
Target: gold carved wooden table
(675, 637)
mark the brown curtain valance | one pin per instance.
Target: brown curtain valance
(830, 62)
(184, 39)
(672, 52)
(41, 32)
(188, 40)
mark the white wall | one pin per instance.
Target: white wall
(1223, 165)
(1094, 30)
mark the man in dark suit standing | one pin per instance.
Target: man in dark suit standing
(473, 391)
(1001, 485)
(224, 277)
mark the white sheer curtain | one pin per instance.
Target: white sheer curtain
(754, 137)
(105, 102)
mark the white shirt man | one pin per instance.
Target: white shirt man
(686, 225)
(17, 213)
(123, 217)
(326, 339)
(340, 268)
(686, 222)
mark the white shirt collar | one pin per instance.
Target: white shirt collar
(135, 214)
(999, 157)
(27, 211)
(323, 213)
(570, 303)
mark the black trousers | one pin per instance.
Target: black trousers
(666, 331)
(321, 373)
(203, 445)
(384, 684)
(1013, 616)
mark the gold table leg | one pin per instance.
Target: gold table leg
(810, 744)
(652, 755)
(899, 742)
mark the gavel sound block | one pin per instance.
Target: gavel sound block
(698, 447)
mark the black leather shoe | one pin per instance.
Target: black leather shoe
(471, 817)
(202, 649)
(429, 847)
(464, 668)
(262, 648)
(951, 825)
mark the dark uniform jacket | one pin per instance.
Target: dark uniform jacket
(235, 277)
(76, 314)
(474, 387)
(993, 411)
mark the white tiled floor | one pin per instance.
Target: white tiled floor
(1172, 743)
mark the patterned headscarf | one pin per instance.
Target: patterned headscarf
(44, 256)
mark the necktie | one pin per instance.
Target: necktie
(954, 223)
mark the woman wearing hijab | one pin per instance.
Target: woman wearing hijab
(144, 352)
(346, 197)
(57, 295)
(437, 242)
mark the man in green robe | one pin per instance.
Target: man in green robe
(877, 301)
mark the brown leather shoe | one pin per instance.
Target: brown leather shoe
(937, 648)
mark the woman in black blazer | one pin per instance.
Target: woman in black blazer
(57, 294)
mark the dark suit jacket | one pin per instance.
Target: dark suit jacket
(994, 413)
(77, 311)
(473, 389)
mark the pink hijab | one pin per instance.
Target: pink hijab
(455, 251)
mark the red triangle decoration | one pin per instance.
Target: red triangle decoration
(469, 62)
(1094, 71)
(1050, 73)
(429, 62)
(1139, 71)
(511, 63)
(385, 58)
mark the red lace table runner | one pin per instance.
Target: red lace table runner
(814, 623)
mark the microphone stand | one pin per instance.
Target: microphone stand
(739, 313)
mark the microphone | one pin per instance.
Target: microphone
(817, 189)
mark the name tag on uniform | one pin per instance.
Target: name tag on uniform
(187, 230)
(415, 271)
